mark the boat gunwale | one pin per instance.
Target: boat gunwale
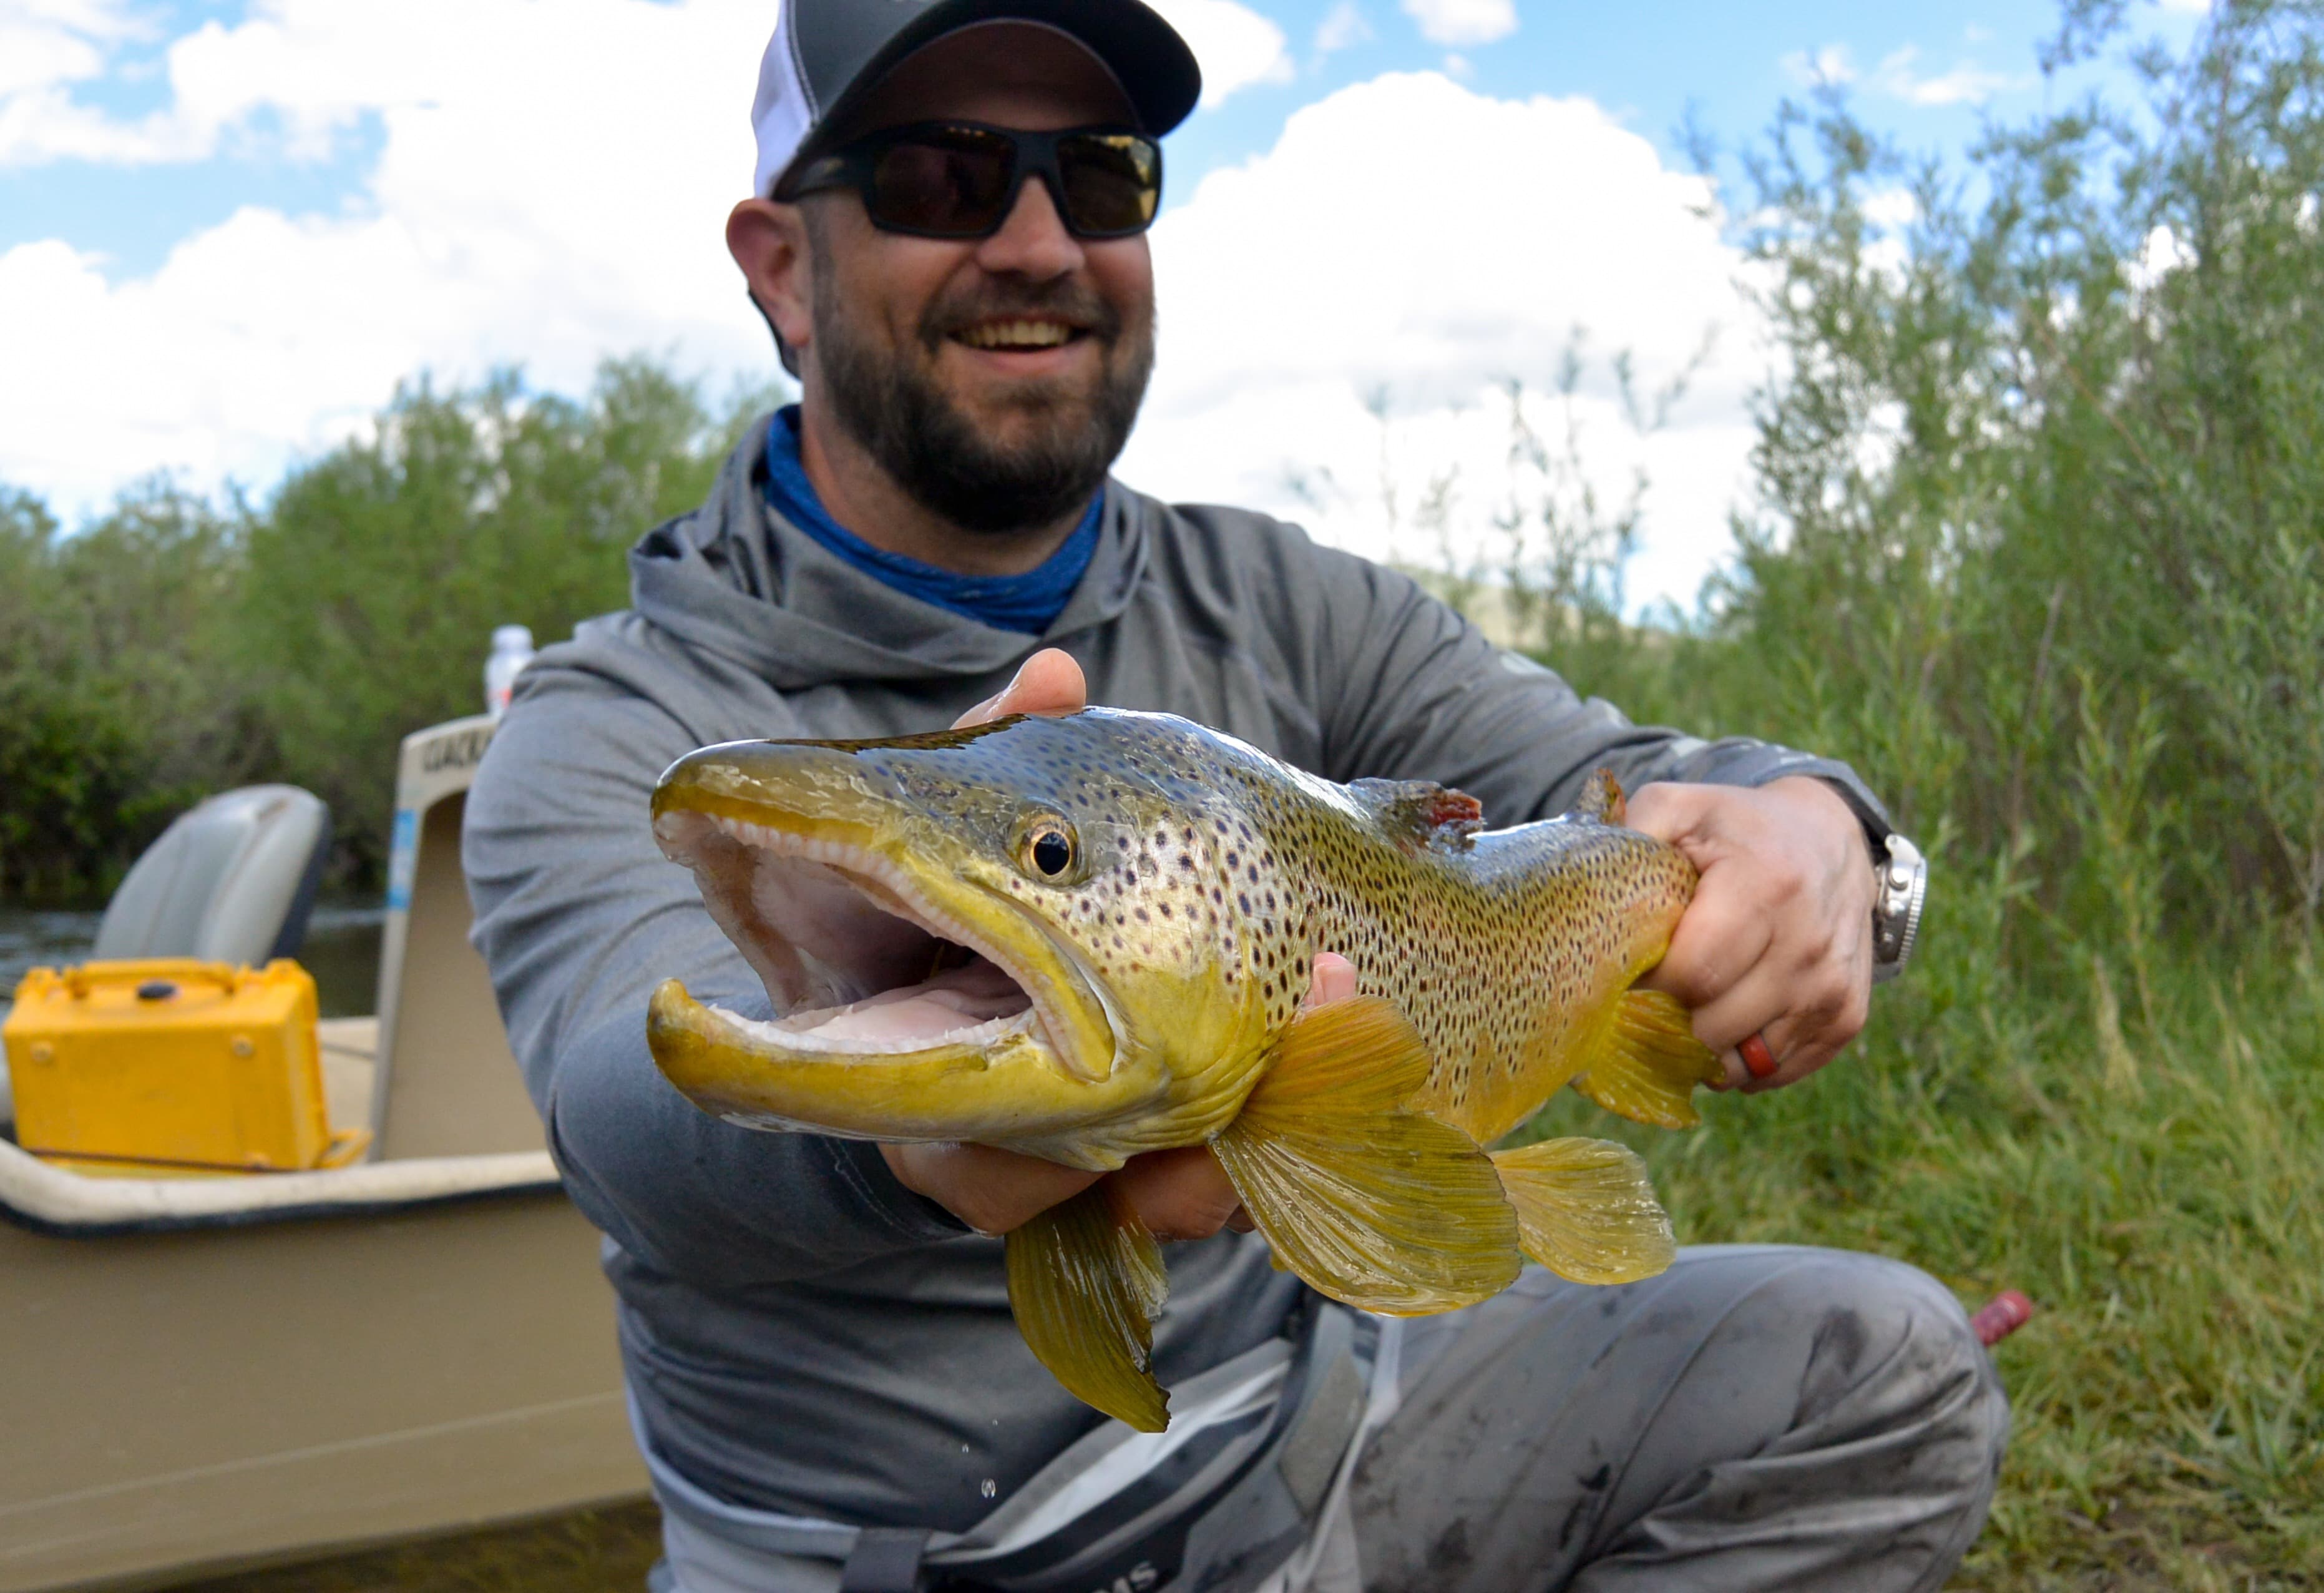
(52, 1202)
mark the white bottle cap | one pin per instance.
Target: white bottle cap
(510, 638)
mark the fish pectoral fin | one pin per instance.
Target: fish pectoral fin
(1370, 1202)
(1586, 1210)
(1085, 1280)
(1649, 1063)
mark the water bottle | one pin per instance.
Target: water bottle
(512, 651)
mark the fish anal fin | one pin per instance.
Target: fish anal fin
(1648, 1064)
(1420, 812)
(1085, 1280)
(1369, 1203)
(1586, 1210)
(1602, 799)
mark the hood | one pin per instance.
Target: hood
(736, 579)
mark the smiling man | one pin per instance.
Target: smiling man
(947, 237)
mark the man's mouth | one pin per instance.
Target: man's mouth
(1019, 335)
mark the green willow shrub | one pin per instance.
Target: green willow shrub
(2045, 476)
(115, 707)
(377, 575)
(169, 648)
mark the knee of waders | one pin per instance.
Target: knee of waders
(1891, 1351)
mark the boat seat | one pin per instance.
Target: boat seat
(233, 880)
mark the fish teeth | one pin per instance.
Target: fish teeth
(778, 1036)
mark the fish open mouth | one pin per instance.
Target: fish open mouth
(866, 963)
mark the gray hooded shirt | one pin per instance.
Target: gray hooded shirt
(801, 1333)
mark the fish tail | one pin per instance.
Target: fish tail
(1586, 1210)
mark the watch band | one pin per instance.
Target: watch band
(1903, 885)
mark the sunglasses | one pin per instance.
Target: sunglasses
(960, 180)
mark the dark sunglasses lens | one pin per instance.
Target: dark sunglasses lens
(1113, 181)
(954, 184)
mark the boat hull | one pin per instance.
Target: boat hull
(227, 1395)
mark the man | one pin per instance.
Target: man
(947, 237)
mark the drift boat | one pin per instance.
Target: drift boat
(207, 1373)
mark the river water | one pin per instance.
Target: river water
(341, 950)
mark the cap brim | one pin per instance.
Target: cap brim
(1145, 54)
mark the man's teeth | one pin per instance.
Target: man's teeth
(1017, 333)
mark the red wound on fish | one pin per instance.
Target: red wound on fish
(1423, 809)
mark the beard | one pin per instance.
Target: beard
(1066, 440)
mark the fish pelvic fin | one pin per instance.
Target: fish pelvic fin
(1586, 1210)
(1648, 1064)
(1374, 1204)
(1085, 1280)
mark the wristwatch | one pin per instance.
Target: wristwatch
(1904, 881)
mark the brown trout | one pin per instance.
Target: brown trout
(1090, 936)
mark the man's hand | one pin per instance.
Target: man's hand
(1182, 1194)
(1778, 941)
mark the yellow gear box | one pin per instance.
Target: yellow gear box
(172, 1066)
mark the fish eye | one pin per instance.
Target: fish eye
(1049, 848)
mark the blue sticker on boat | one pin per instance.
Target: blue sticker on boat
(402, 857)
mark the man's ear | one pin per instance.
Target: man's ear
(768, 243)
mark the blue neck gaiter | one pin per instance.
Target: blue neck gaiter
(1029, 602)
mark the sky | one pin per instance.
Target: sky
(227, 230)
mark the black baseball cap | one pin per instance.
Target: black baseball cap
(825, 55)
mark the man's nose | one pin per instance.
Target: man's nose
(1033, 241)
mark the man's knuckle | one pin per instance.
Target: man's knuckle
(1854, 1014)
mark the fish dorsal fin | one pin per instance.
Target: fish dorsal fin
(1602, 799)
(1378, 1206)
(1649, 1062)
(1421, 812)
(1586, 1210)
(1085, 1280)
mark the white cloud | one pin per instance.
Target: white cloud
(1286, 308)
(1967, 84)
(49, 42)
(314, 67)
(1463, 21)
(46, 46)
(1830, 65)
(2160, 252)
(1236, 46)
(1892, 207)
(511, 217)
(1343, 28)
